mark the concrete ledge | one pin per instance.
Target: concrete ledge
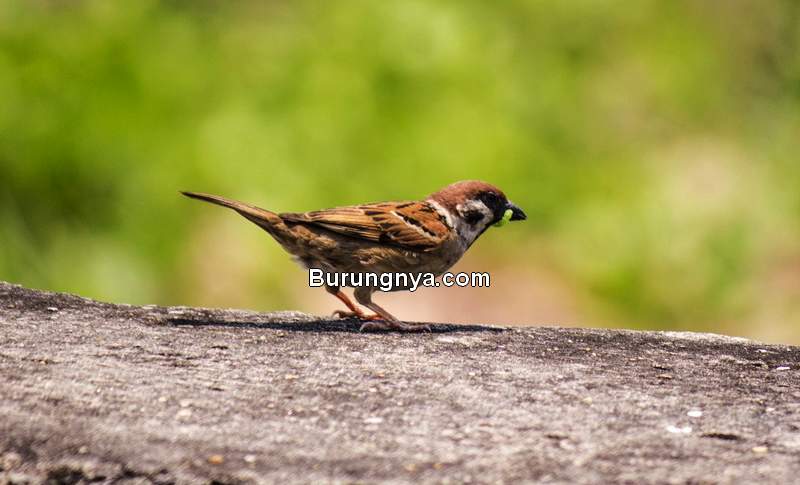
(94, 392)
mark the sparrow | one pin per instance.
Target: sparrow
(422, 236)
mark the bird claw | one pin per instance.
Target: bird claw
(376, 322)
(359, 315)
(343, 314)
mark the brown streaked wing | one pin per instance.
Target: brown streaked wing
(412, 225)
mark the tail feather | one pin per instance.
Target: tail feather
(257, 215)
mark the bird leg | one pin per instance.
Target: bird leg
(354, 310)
(389, 322)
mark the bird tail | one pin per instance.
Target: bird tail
(261, 217)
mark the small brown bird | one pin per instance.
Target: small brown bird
(414, 237)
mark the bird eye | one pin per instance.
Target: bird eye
(490, 198)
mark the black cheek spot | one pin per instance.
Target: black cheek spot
(473, 217)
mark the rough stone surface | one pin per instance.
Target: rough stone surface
(93, 392)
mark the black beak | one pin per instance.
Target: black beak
(516, 213)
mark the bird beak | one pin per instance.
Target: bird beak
(516, 213)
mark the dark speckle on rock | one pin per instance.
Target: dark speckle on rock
(95, 392)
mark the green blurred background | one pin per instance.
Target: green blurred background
(654, 145)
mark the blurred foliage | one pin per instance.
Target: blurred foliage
(653, 144)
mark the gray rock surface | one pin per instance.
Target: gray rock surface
(94, 392)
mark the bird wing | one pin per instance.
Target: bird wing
(410, 225)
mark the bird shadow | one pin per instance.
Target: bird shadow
(323, 326)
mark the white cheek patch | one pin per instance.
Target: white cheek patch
(470, 232)
(474, 206)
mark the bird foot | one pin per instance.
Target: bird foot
(359, 315)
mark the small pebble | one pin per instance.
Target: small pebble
(52, 309)
(216, 459)
(681, 430)
(185, 403)
(14, 478)
(760, 449)
(694, 413)
(373, 420)
(184, 413)
(10, 460)
(249, 458)
(783, 367)
(83, 450)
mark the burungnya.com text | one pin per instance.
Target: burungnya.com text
(396, 281)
